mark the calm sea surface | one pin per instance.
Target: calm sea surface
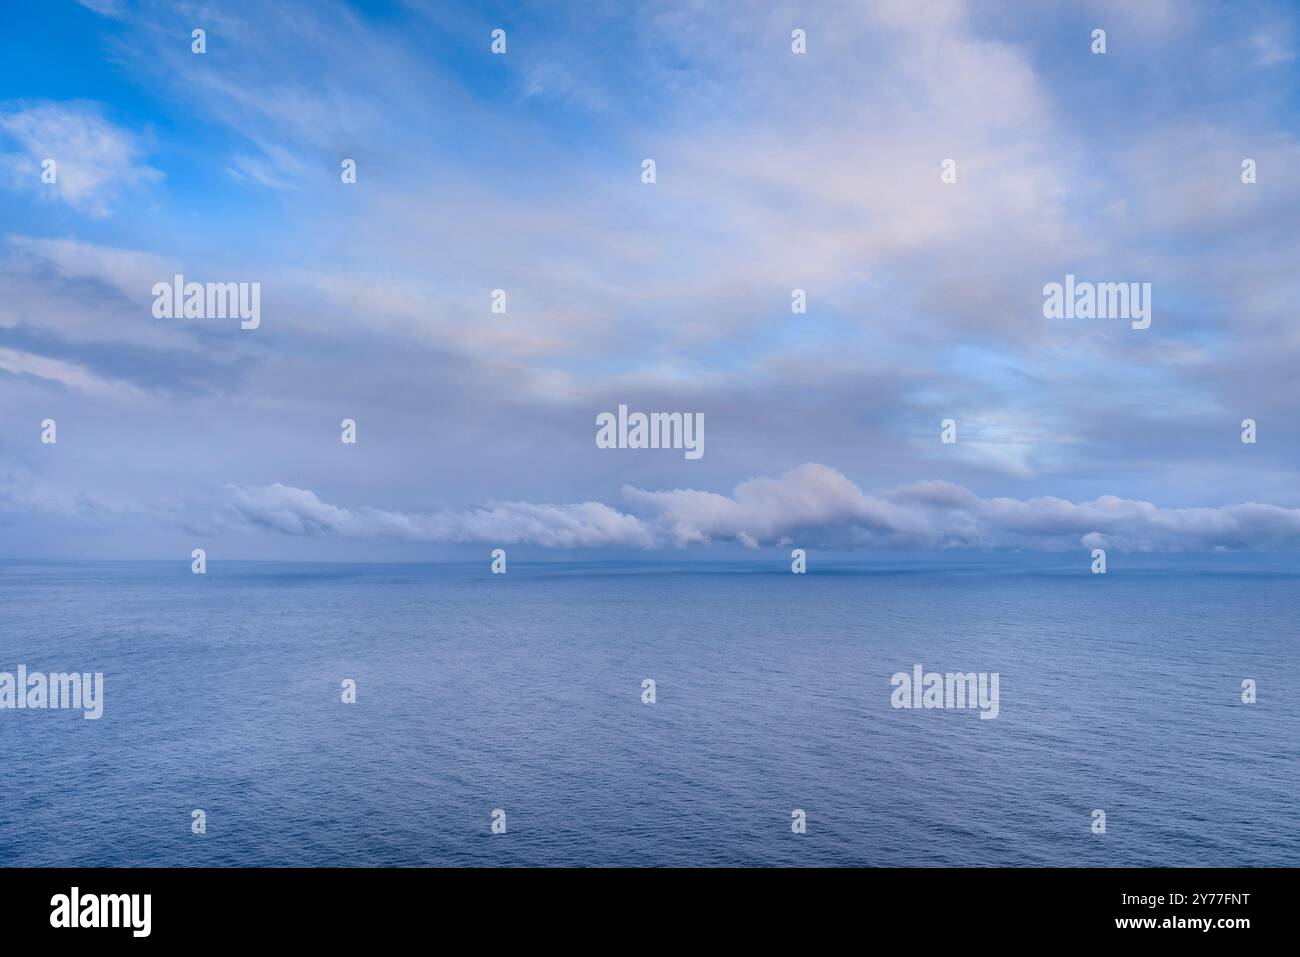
(523, 692)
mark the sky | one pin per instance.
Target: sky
(522, 171)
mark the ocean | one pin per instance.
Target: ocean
(523, 693)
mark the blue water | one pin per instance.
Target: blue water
(523, 692)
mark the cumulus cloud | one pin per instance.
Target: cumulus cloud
(811, 498)
(94, 159)
(813, 505)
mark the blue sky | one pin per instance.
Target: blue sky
(522, 172)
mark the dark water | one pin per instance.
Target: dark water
(523, 692)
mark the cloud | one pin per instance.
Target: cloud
(79, 314)
(69, 374)
(129, 272)
(811, 505)
(766, 510)
(776, 172)
(1270, 49)
(22, 492)
(296, 511)
(105, 8)
(277, 168)
(95, 160)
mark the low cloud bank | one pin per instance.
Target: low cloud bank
(811, 505)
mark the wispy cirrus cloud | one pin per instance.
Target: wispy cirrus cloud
(95, 160)
(105, 8)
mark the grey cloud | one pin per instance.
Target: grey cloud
(102, 364)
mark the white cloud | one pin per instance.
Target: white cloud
(65, 373)
(765, 510)
(296, 511)
(276, 168)
(94, 160)
(810, 505)
(105, 8)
